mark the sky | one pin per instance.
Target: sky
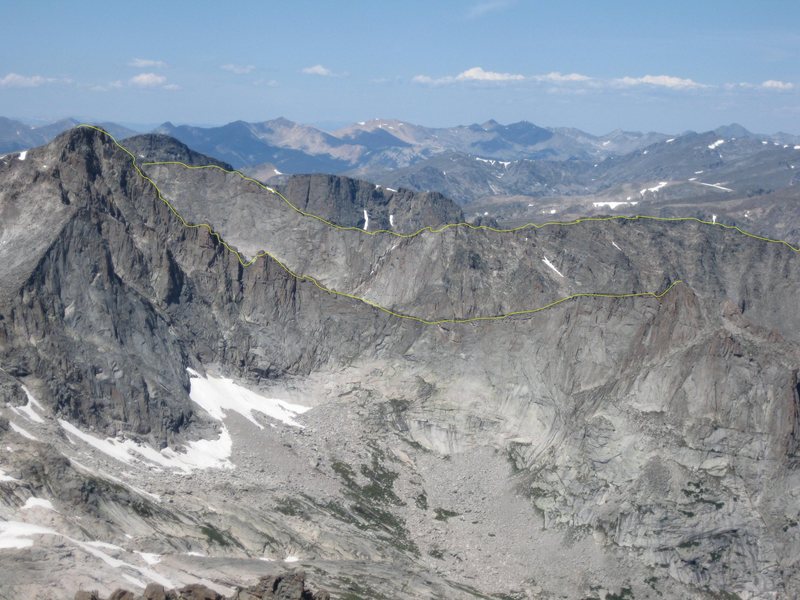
(665, 66)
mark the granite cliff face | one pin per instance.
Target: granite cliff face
(605, 447)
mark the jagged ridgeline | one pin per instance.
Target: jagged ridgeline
(622, 443)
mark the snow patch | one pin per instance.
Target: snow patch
(34, 502)
(391, 220)
(797, 147)
(4, 477)
(366, 220)
(27, 410)
(670, 140)
(276, 171)
(200, 454)
(391, 189)
(291, 559)
(606, 143)
(219, 394)
(15, 534)
(713, 218)
(714, 185)
(546, 261)
(134, 581)
(653, 189)
(150, 558)
(612, 205)
(716, 144)
(23, 155)
(615, 246)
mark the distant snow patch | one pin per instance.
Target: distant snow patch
(716, 144)
(698, 172)
(615, 246)
(670, 140)
(764, 142)
(713, 218)
(276, 171)
(391, 220)
(714, 185)
(612, 205)
(646, 151)
(291, 559)
(546, 261)
(366, 220)
(391, 189)
(23, 155)
(797, 147)
(34, 502)
(653, 189)
(606, 143)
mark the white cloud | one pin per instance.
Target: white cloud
(667, 81)
(473, 74)
(172, 87)
(478, 74)
(556, 77)
(16, 80)
(773, 84)
(145, 63)
(148, 80)
(114, 85)
(318, 70)
(238, 69)
(483, 8)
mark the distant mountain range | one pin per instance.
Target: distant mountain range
(477, 162)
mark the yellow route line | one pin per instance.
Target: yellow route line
(324, 288)
(441, 228)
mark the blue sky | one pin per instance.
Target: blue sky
(597, 65)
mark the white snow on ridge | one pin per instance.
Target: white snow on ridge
(34, 502)
(653, 189)
(219, 394)
(391, 189)
(714, 185)
(366, 219)
(199, 454)
(23, 155)
(670, 140)
(27, 410)
(546, 261)
(797, 147)
(612, 205)
(716, 144)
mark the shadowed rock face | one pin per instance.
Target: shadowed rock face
(602, 444)
(290, 586)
